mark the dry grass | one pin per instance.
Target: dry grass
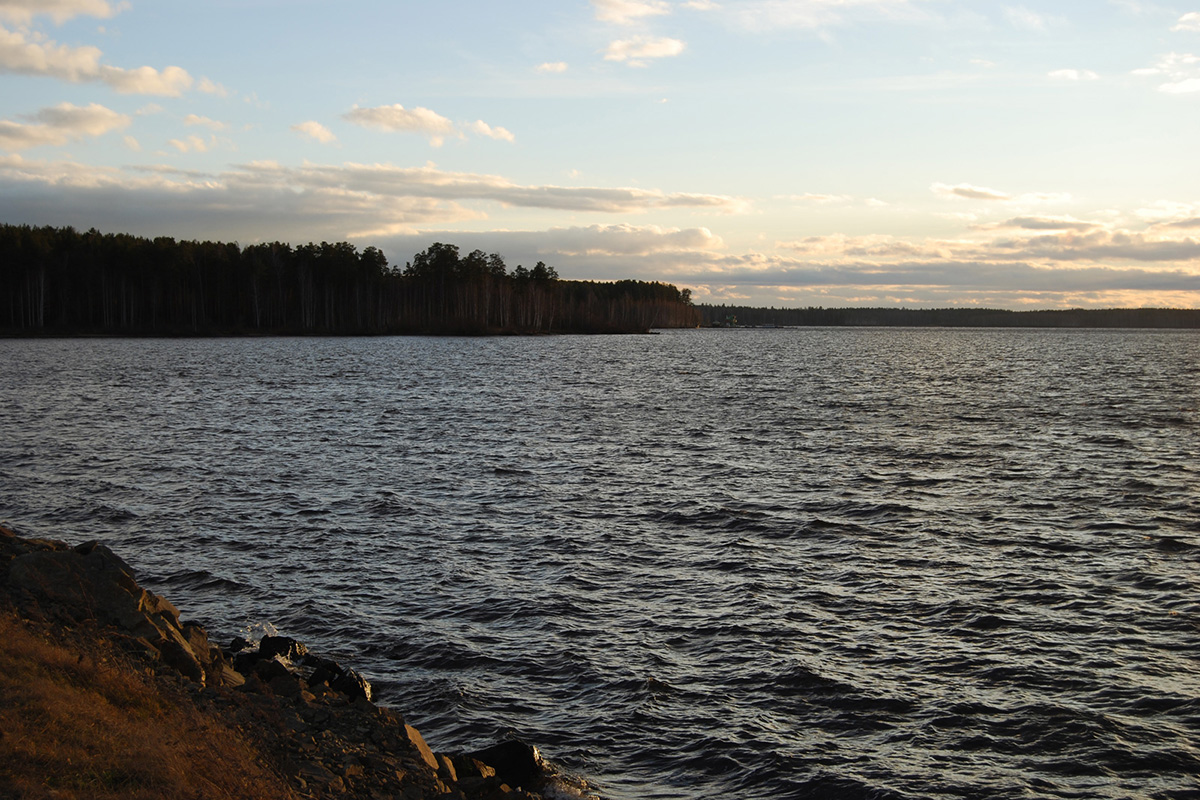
(87, 724)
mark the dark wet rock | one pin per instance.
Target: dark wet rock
(337, 677)
(282, 646)
(515, 762)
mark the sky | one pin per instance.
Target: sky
(919, 153)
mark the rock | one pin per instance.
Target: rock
(423, 750)
(282, 646)
(181, 658)
(270, 669)
(446, 770)
(467, 767)
(286, 685)
(337, 677)
(91, 583)
(515, 762)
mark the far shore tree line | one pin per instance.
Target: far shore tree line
(61, 281)
(724, 316)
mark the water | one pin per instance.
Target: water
(703, 564)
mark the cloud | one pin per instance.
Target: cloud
(208, 86)
(1181, 71)
(191, 144)
(552, 67)
(170, 82)
(965, 191)
(626, 12)
(60, 124)
(421, 120)
(630, 240)
(32, 54)
(316, 131)
(637, 50)
(1041, 224)
(483, 129)
(1073, 75)
(1189, 22)
(212, 124)
(1186, 86)
(266, 199)
(430, 182)
(23, 11)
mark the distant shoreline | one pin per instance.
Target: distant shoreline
(1111, 318)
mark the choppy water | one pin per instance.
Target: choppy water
(703, 564)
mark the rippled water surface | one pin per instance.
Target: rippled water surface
(703, 564)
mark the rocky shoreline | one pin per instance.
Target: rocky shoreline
(310, 721)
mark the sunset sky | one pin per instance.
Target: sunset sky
(763, 152)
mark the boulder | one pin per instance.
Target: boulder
(282, 646)
(337, 677)
(515, 762)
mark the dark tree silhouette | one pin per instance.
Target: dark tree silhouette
(60, 281)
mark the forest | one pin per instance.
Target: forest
(743, 316)
(58, 281)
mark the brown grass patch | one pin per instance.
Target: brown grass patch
(86, 723)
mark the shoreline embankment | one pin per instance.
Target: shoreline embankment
(106, 692)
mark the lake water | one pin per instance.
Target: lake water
(812, 563)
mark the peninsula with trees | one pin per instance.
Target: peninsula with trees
(58, 281)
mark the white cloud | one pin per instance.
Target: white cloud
(1189, 22)
(965, 191)
(1185, 86)
(1180, 70)
(553, 67)
(398, 118)
(423, 121)
(637, 50)
(626, 12)
(315, 130)
(60, 124)
(212, 124)
(1073, 75)
(629, 240)
(33, 54)
(170, 82)
(208, 86)
(190, 144)
(483, 129)
(266, 199)
(23, 11)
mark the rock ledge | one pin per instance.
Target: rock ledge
(312, 719)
